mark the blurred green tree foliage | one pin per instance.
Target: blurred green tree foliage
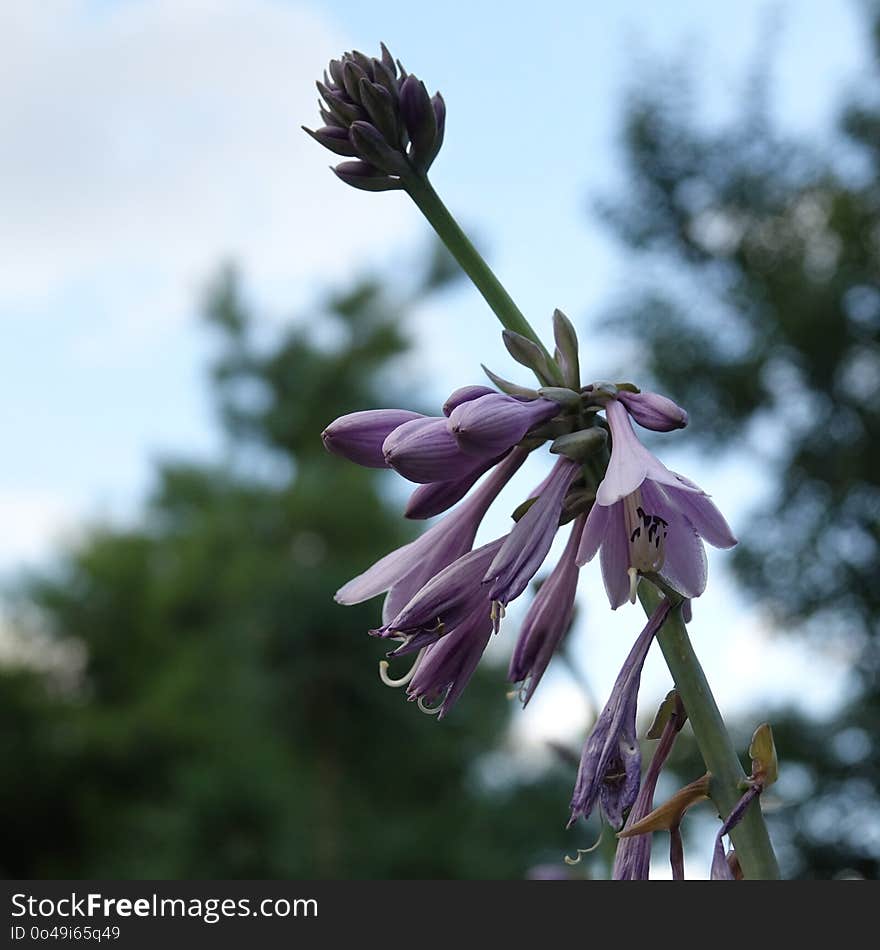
(760, 311)
(214, 713)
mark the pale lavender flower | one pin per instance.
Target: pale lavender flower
(647, 519)
(492, 423)
(547, 619)
(654, 411)
(446, 667)
(610, 767)
(528, 543)
(405, 570)
(358, 436)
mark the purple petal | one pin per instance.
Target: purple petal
(425, 451)
(704, 516)
(614, 557)
(594, 533)
(494, 422)
(405, 570)
(449, 664)
(530, 540)
(654, 411)
(684, 562)
(547, 619)
(434, 498)
(358, 436)
(450, 596)
(631, 463)
(465, 394)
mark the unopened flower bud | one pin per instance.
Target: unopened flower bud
(566, 349)
(653, 411)
(358, 436)
(579, 446)
(374, 111)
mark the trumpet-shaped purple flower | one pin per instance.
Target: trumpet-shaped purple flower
(647, 519)
(492, 423)
(446, 667)
(547, 619)
(358, 436)
(610, 768)
(527, 545)
(405, 570)
(449, 597)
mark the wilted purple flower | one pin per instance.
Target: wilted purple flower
(358, 436)
(424, 450)
(547, 619)
(493, 422)
(374, 112)
(446, 667)
(633, 858)
(647, 519)
(528, 543)
(404, 571)
(610, 768)
(654, 411)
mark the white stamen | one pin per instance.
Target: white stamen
(428, 710)
(646, 537)
(633, 584)
(582, 851)
(389, 681)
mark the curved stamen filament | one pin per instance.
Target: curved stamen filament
(428, 710)
(403, 680)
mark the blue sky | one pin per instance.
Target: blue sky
(144, 142)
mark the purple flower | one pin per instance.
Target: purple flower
(424, 450)
(435, 497)
(358, 436)
(633, 858)
(647, 519)
(654, 411)
(494, 422)
(405, 570)
(446, 667)
(449, 597)
(547, 619)
(610, 767)
(528, 543)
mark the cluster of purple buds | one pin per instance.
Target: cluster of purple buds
(381, 118)
(445, 598)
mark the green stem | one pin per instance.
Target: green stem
(461, 248)
(750, 837)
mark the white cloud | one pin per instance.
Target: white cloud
(143, 141)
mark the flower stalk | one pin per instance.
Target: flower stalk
(750, 837)
(752, 841)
